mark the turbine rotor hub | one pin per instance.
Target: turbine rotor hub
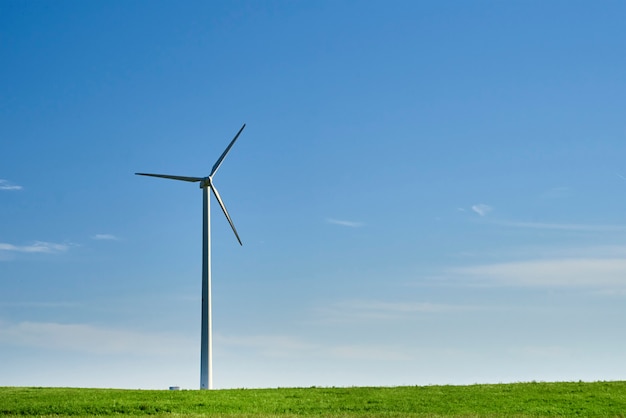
(206, 182)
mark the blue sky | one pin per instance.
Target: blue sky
(427, 192)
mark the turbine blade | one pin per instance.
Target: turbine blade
(219, 160)
(230, 221)
(167, 176)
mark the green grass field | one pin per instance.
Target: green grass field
(599, 399)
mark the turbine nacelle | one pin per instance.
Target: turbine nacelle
(206, 182)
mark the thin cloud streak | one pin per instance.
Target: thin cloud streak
(604, 273)
(286, 347)
(275, 346)
(562, 227)
(482, 209)
(91, 339)
(105, 237)
(37, 247)
(358, 310)
(377, 353)
(46, 305)
(6, 185)
(350, 224)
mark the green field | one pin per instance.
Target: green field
(599, 399)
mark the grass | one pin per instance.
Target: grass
(598, 399)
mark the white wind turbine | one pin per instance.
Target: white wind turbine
(206, 183)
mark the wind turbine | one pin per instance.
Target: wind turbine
(206, 183)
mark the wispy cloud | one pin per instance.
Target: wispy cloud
(561, 226)
(350, 224)
(482, 209)
(37, 247)
(356, 310)
(91, 339)
(44, 305)
(371, 352)
(539, 351)
(269, 345)
(105, 237)
(281, 346)
(559, 272)
(6, 185)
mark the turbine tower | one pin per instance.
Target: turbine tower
(206, 183)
